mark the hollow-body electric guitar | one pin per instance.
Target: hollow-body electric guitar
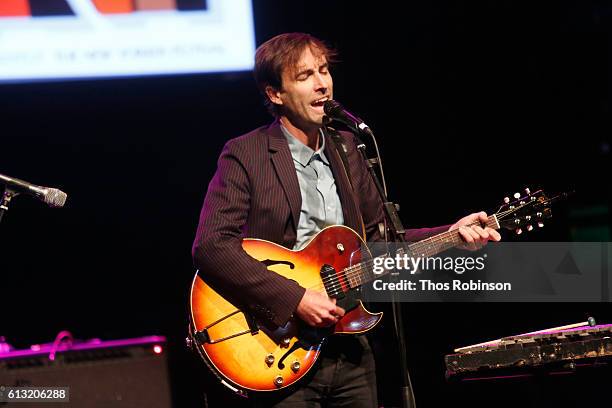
(248, 355)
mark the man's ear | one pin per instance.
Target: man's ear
(274, 95)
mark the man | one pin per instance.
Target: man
(284, 183)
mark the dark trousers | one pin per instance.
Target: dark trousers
(345, 376)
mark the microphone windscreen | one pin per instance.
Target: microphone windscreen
(55, 198)
(330, 107)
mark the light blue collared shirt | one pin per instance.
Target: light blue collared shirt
(321, 205)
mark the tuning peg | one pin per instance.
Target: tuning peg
(517, 195)
(518, 231)
(539, 214)
(521, 202)
(529, 227)
(517, 221)
(506, 200)
(527, 191)
(540, 224)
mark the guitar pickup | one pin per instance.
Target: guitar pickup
(331, 281)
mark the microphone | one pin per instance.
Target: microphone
(335, 111)
(51, 196)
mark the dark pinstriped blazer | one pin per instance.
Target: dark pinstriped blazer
(255, 193)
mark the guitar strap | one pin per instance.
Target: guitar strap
(341, 149)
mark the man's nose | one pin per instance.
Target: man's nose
(320, 84)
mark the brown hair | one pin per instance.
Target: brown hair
(283, 52)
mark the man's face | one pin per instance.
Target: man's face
(304, 90)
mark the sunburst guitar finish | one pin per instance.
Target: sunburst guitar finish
(247, 355)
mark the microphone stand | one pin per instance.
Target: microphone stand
(5, 201)
(397, 232)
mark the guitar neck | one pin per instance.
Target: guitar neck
(363, 272)
(439, 243)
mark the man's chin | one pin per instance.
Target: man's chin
(311, 122)
(318, 120)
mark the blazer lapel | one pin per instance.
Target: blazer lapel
(350, 211)
(285, 170)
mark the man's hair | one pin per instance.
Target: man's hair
(283, 52)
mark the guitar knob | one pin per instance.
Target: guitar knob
(518, 231)
(295, 366)
(517, 195)
(340, 247)
(529, 227)
(506, 200)
(278, 381)
(527, 191)
(269, 359)
(286, 341)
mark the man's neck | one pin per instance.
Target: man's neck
(310, 136)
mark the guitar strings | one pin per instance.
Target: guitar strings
(354, 273)
(351, 271)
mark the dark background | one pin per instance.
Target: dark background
(471, 101)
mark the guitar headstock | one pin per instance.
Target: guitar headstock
(525, 212)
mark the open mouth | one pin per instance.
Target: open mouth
(319, 102)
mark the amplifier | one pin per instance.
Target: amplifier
(98, 374)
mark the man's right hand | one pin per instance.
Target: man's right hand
(318, 310)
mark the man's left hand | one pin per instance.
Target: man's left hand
(475, 236)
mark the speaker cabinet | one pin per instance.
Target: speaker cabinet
(129, 373)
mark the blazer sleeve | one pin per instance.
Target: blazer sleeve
(217, 250)
(370, 203)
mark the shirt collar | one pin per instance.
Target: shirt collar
(302, 153)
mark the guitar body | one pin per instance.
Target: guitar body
(248, 356)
